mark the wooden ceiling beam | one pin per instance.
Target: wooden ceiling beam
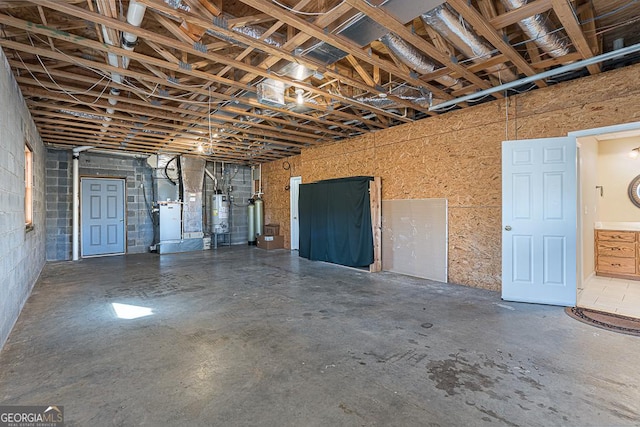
(282, 54)
(586, 14)
(84, 14)
(241, 21)
(361, 71)
(338, 42)
(567, 16)
(226, 155)
(127, 72)
(52, 126)
(280, 121)
(516, 15)
(388, 21)
(482, 26)
(131, 106)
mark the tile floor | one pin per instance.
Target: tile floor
(611, 295)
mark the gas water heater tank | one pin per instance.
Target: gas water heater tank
(220, 213)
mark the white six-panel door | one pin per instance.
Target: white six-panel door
(102, 216)
(294, 191)
(539, 221)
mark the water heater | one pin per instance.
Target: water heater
(220, 213)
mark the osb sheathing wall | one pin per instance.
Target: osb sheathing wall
(457, 156)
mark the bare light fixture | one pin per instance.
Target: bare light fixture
(299, 98)
(634, 153)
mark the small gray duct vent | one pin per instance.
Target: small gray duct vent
(538, 29)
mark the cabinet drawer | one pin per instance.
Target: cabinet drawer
(617, 236)
(617, 249)
(616, 265)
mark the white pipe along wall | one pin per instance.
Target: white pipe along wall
(75, 232)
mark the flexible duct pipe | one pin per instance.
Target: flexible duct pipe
(413, 58)
(451, 26)
(418, 97)
(538, 31)
(75, 194)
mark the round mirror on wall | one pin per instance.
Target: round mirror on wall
(634, 191)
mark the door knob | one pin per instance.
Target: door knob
(508, 228)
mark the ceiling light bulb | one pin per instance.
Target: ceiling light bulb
(299, 99)
(634, 153)
(200, 148)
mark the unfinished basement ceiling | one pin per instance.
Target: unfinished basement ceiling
(223, 79)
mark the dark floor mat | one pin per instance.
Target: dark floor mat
(608, 321)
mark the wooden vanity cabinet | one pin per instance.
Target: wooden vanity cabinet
(617, 254)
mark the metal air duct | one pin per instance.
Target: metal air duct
(362, 29)
(407, 93)
(414, 58)
(537, 28)
(452, 27)
(192, 170)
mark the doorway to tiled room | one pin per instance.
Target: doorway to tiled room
(610, 222)
(611, 295)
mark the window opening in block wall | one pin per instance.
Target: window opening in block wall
(28, 185)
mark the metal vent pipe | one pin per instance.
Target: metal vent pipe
(537, 28)
(452, 27)
(413, 58)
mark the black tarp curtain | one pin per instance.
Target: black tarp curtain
(335, 221)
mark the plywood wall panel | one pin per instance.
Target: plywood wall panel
(457, 156)
(588, 116)
(276, 197)
(592, 90)
(475, 249)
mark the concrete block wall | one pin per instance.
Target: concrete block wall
(240, 179)
(134, 170)
(58, 204)
(22, 252)
(137, 174)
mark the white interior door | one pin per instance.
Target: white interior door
(539, 220)
(294, 194)
(102, 216)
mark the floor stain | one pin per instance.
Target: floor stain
(456, 373)
(495, 416)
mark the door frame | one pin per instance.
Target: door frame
(574, 136)
(124, 215)
(294, 196)
(633, 126)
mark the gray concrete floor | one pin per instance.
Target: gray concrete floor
(242, 336)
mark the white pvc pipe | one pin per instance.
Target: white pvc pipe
(75, 194)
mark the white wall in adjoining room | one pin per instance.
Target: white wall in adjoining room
(589, 200)
(615, 171)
